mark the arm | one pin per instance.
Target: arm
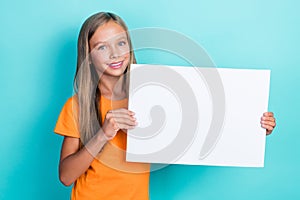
(75, 161)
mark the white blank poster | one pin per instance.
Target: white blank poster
(197, 116)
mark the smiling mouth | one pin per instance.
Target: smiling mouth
(116, 65)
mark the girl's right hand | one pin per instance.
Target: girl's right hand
(116, 120)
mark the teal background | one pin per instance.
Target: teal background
(38, 56)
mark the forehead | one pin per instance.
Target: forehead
(108, 31)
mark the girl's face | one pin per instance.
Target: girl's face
(109, 49)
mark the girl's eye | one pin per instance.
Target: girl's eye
(102, 47)
(122, 43)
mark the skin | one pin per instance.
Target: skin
(268, 122)
(110, 55)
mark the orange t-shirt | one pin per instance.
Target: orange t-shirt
(109, 175)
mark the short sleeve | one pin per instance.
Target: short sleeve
(67, 123)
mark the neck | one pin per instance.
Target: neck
(111, 87)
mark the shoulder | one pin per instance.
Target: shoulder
(71, 104)
(67, 123)
(72, 100)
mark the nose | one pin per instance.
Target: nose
(114, 53)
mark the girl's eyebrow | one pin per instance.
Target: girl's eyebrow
(96, 44)
(104, 42)
(122, 37)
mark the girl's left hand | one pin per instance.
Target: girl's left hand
(268, 122)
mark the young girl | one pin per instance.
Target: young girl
(94, 121)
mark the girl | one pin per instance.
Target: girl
(94, 121)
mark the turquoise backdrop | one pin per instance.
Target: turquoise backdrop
(38, 56)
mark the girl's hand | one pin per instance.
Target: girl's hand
(268, 122)
(116, 120)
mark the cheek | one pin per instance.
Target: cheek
(127, 55)
(126, 58)
(98, 58)
(124, 51)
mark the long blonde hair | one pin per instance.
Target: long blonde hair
(86, 78)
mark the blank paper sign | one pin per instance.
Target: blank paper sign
(197, 116)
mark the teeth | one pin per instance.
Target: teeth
(116, 64)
